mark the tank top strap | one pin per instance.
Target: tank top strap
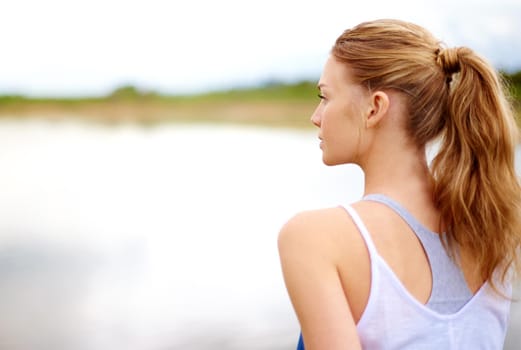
(357, 220)
(364, 232)
(416, 226)
(431, 241)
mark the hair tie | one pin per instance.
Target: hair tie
(448, 59)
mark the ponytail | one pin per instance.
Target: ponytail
(476, 187)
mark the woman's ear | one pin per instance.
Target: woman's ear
(378, 106)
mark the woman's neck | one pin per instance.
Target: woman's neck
(402, 173)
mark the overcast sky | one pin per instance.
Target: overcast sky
(89, 47)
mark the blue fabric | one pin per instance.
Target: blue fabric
(300, 345)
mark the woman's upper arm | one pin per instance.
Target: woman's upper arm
(308, 251)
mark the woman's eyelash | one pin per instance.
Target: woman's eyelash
(320, 96)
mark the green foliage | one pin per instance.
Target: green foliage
(130, 92)
(10, 99)
(270, 91)
(514, 78)
(513, 82)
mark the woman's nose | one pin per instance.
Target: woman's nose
(315, 119)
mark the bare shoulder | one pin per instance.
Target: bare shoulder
(324, 231)
(320, 252)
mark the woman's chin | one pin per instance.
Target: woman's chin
(329, 161)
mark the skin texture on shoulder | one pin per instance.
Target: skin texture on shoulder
(311, 251)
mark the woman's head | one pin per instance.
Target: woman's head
(339, 114)
(395, 55)
(352, 118)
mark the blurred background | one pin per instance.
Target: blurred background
(151, 151)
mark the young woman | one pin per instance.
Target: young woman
(425, 259)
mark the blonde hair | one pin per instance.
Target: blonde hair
(455, 95)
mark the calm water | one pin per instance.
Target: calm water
(154, 238)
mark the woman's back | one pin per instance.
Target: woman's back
(399, 316)
(403, 289)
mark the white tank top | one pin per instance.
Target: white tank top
(394, 319)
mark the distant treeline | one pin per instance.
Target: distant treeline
(266, 91)
(272, 103)
(269, 90)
